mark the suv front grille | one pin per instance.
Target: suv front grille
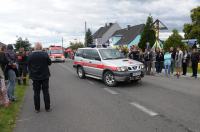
(134, 68)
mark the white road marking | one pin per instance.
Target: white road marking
(110, 91)
(91, 82)
(144, 109)
(26, 119)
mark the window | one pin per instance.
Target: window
(56, 51)
(79, 52)
(108, 54)
(94, 54)
(91, 54)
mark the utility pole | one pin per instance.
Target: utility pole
(85, 33)
(85, 27)
(62, 45)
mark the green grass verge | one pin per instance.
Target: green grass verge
(8, 115)
(189, 70)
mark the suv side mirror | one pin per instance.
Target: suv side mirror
(97, 58)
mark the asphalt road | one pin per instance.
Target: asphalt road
(155, 104)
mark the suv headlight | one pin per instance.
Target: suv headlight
(142, 66)
(122, 69)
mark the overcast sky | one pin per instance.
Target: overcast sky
(50, 20)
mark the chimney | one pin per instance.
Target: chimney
(128, 27)
(106, 24)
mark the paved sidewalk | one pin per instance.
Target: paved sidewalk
(187, 76)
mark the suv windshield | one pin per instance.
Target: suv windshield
(107, 54)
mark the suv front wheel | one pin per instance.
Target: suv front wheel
(80, 72)
(109, 79)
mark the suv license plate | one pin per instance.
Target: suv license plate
(136, 73)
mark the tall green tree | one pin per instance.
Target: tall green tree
(88, 38)
(20, 43)
(192, 30)
(76, 45)
(174, 40)
(148, 35)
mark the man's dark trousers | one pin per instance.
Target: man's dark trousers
(194, 68)
(22, 69)
(43, 85)
(184, 66)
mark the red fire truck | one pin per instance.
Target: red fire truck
(56, 54)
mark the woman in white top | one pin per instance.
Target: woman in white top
(178, 61)
(185, 62)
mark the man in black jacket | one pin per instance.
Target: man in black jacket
(38, 62)
(195, 60)
(148, 61)
(22, 65)
(173, 54)
(134, 54)
(159, 60)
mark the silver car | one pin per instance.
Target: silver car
(108, 65)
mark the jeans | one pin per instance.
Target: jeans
(11, 84)
(167, 70)
(148, 67)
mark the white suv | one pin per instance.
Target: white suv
(108, 65)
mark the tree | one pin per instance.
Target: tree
(20, 43)
(192, 30)
(148, 35)
(174, 40)
(76, 45)
(88, 38)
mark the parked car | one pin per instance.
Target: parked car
(108, 65)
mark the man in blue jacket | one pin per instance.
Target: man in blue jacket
(38, 62)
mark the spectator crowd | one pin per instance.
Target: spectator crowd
(174, 60)
(13, 66)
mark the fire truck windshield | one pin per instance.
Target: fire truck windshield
(56, 51)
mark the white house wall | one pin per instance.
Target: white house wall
(98, 41)
(110, 32)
